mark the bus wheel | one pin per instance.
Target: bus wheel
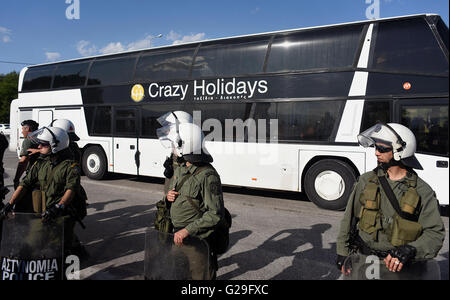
(94, 163)
(328, 183)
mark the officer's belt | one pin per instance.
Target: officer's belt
(364, 249)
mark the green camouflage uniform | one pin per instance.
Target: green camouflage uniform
(430, 240)
(205, 191)
(25, 205)
(66, 176)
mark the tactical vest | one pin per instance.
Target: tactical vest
(400, 231)
(78, 203)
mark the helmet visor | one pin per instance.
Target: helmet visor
(381, 134)
(34, 137)
(166, 119)
(168, 136)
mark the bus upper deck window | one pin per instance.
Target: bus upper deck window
(408, 46)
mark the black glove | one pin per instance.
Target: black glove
(7, 208)
(404, 253)
(340, 261)
(52, 213)
(168, 168)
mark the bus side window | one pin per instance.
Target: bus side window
(330, 48)
(89, 115)
(125, 119)
(374, 112)
(102, 120)
(230, 59)
(430, 126)
(303, 120)
(112, 71)
(225, 122)
(265, 111)
(70, 75)
(164, 66)
(151, 112)
(38, 78)
(408, 46)
(443, 32)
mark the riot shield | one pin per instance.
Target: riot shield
(31, 250)
(166, 261)
(363, 267)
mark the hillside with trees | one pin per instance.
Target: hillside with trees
(8, 92)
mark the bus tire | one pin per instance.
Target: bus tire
(94, 163)
(328, 183)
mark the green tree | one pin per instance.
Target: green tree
(8, 92)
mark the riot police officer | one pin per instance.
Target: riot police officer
(171, 162)
(195, 191)
(3, 146)
(58, 177)
(68, 126)
(27, 159)
(392, 213)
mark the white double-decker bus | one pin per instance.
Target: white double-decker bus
(304, 93)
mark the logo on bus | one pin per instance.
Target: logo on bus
(407, 86)
(216, 89)
(137, 93)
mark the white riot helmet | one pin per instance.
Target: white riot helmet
(399, 137)
(68, 126)
(55, 137)
(185, 140)
(175, 117)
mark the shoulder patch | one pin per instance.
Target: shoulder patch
(76, 168)
(216, 187)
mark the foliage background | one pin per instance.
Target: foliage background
(8, 92)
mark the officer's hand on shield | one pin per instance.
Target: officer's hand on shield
(393, 264)
(180, 236)
(399, 256)
(52, 213)
(344, 265)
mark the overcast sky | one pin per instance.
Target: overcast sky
(52, 30)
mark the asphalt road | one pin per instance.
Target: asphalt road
(275, 235)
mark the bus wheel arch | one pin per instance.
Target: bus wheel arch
(328, 181)
(94, 162)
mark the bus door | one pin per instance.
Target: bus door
(125, 141)
(45, 117)
(428, 119)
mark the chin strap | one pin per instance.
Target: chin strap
(391, 163)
